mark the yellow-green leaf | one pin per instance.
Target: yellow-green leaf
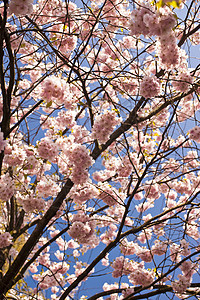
(49, 104)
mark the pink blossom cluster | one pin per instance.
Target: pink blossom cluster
(108, 287)
(137, 25)
(144, 254)
(66, 119)
(14, 155)
(31, 202)
(7, 187)
(83, 229)
(80, 161)
(31, 163)
(47, 149)
(126, 167)
(150, 87)
(47, 186)
(109, 234)
(80, 194)
(186, 109)
(145, 235)
(128, 248)
(61, 38)
(102, 175)
(122, 266)
(110, 162)
(5, 239)
(138, 275)
(52, 10)
(74, 159)
(145, 20)
(185, 248)
(180, 286)
(108, 194)
(55, 89)
(188, 268)
(159, 248)
(52, 277)
(194, 134)
(129, 86)
(168, 51)
(126, 292)
(80, 134)
(141, 276)
(104, 125)
(109, 66)
(152, 190)
(80, 268)
(105, 261)
(193, 230)
(20, 8)
(183, 82)
(175, 252)
(111, 11)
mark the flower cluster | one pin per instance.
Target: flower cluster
(62, 40)
(104, 125)
(7, 187)
(141, 276)
(168, 51)
(83, 229)
(128, 248)
(194, 134)
(20, 8)
(146, 21)
(47, 186)
(55, 89)
(14, 155)
(5, 240)
(150, 87)
(80, 194)
(183, 82)
(122, 266)
(31, 202)
(47, 149)
(80, 160)
(138, 275)
(47, 280)
(108, 194)
(181, 285)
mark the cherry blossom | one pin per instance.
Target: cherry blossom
(100, 180)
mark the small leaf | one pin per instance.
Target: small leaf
(175, 4)
(49, 104)
(159, 4)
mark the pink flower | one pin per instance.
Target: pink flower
(19, 7)
(5, 239)
(150, 87)
(194, 134)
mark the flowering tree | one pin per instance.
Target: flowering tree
(100, 155)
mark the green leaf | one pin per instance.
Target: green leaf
(49, 104)
(174, 3)
(159, 4)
